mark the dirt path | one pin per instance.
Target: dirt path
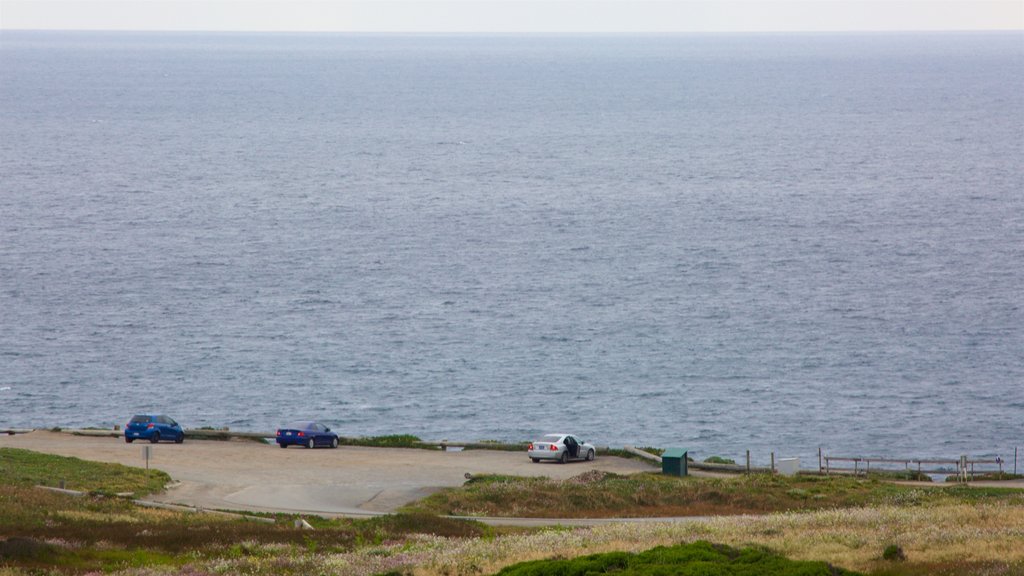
(245, 475)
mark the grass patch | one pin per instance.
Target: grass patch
(648, 494)
(27, 468)
(695, 559)
(987, 476)
(391, 441)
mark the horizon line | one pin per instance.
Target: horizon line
(526, 32)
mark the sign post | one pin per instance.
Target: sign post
(146, 454)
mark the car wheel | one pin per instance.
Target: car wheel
(155, 437)
(590, 455)
(180, 438)
(283, 445)
(310, 444)
(535, 460)
(565, 458)
(334, 442)
(128, 440)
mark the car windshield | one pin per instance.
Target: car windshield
(138, 419)
(299, 425)
(551, 438)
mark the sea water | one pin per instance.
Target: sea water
(719, 242)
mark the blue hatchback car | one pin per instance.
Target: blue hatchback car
(153, 427)
(306, 433)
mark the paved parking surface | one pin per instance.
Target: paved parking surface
(246, 475)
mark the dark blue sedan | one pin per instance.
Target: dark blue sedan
(306, 433)
(153, 427)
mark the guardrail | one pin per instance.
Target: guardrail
(963, 467)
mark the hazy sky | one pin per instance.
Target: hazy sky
(513, 15)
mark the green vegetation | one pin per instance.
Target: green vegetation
(719, 460)
(696, 559)
(894, 553)
(27, 468)
(987, 476)
(392, 441)
(609, 495)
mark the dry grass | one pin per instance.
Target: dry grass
(941, 540)
(948, 539)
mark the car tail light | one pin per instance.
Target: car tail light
(553, 447)
(278, 432)
(302, 433)
(531, 446)
(150, 426)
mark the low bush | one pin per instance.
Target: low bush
(695, 559)
(893, 552)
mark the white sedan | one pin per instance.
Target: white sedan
(560, 448)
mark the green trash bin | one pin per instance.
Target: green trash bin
(673, 462)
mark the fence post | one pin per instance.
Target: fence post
(773, 462)
(748, 461)
(819, 459)
(1014, 460)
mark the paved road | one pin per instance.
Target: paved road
(355, 481)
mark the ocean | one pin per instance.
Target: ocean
(719, 242)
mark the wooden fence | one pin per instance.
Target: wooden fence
(964, 468)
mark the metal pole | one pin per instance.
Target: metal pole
(819, 459)
(748, 461)
(773, 462)
(1014, 460)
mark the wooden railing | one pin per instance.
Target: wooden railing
(965, 468)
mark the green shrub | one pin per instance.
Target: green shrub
(696, 559)
(391, 441)
(893, 553)
(719, 460)
(22, 549)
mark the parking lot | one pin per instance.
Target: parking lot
(247, 475)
